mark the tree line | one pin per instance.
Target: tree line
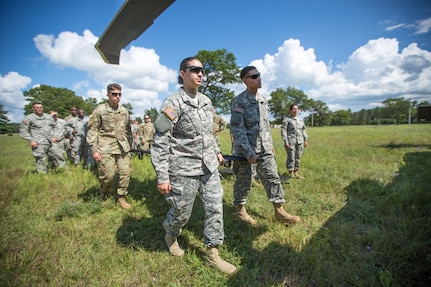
(221, 71)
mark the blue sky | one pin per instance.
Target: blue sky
(348, 54)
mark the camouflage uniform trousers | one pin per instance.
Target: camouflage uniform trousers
(109, 166)
(56, 155)
(147, 145)
(182, 197)
(268, 174)
(294, 153)
(40, 153)
(68, 146)
(78, 148)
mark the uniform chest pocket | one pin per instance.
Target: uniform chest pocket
(108, 123)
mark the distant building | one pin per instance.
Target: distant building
(424, 113)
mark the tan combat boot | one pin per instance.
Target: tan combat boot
(297, 175)
(213, 259)
(244, 216)
(174, 247)
(291, 174)
(123, 203)
(282, 215)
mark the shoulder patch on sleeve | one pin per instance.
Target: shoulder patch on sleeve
(170, 113)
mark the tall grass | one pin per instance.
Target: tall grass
(364, 203)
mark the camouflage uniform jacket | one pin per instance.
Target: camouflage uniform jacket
(250, 126)
(108, 130)
(293, 131)
(146, 131)
(218, 125)
(78, 125)
(38, 129)
(62, 128)
(184, 144)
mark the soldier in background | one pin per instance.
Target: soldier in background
(39, 129)
(252, 139)
(108, 137)
(56, 154)
(146, 133)
(135, 132)
(219, 125)
(78, 123)
(68, 141)
(295, 139)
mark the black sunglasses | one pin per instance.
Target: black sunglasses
(254, 77)
(195, 69)
(116, 94)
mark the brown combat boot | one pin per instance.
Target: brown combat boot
(283, 216)
(123, 203)
(244, 216)
(174, 247)
(297, 175)
(291, 174)
(213, 259)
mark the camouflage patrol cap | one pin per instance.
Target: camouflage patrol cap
(36, 102)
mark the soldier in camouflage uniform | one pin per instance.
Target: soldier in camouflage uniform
(108, 138)
(56, 153)
(295, 139)
(186, 157)
(68, 141)
(146, 133)
(78, 124)
(252, 139)
(39, 129)
(218, 126)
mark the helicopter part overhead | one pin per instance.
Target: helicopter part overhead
(131, 20)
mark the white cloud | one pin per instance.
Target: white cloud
(374, 72)
(423, 26)
(140, 73)
(11, 96)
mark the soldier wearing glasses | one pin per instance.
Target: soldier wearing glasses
(252, 139)
(108, 131)
(186, 158)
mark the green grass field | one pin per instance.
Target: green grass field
(365, 205)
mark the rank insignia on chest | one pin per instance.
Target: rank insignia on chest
(170, 113)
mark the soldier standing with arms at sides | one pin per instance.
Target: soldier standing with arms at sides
(39, 129)
(252, 139)
(295, 140)
(56, 153)
(186, 157)
(218, 126)
(146, 133)
(107, 137)
(68, 141)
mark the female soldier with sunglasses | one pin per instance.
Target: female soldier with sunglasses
(185, 156)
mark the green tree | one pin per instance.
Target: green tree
(4, 121)
(341, 118)
(398, 109)
(220, 70)
(60, 99)
(320, 115)
(152, 113)
(281, 100)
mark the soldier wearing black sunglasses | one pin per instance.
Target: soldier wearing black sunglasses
(252, 139)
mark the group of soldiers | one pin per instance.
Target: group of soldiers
(54, 140)
(185, 153)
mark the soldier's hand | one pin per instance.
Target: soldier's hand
(33, 144)
(54, 139)
(97, 156)
(164, 188)
(220, 158)
(253, 159)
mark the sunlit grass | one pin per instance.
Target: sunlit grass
(364, 205)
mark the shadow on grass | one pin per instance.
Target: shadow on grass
(393, 145)
(381, 237)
